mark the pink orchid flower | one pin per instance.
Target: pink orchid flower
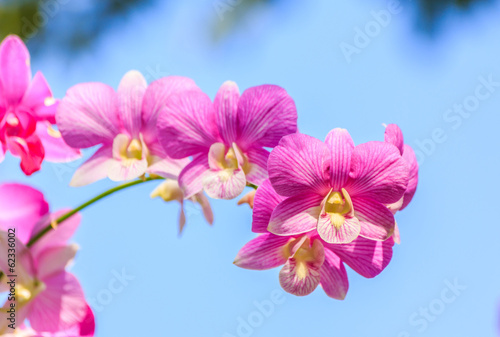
(336, 188)
(307, 260)
(48, 296)
(226, 138)
(27, 111)
(122, 122)
(394, 135)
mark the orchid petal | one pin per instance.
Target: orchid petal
(300, 164)
(226, 108)
(191, 177)
(15, 71)
(129, 103)
(264, 252)
(394, 135)
(224, 184)
(377, 172)
(366, 257)
(186, 125)
(376, 220)
(87, 115)
(341, 146)
(296, 215)
(56, 150)
(94, 169)
(265, 201)
(266, 113)
(334, 276)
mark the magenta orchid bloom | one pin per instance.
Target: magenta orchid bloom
(122, 122)
(307, 260)
(226, 138)
(336, 188)
(394, 135)
(48, 296)
(27, 111)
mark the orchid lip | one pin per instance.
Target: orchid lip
(339, 206)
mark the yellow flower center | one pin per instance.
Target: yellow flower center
(338, 205)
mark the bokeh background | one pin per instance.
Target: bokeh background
(416, 70)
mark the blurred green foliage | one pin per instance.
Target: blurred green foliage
(69, 28)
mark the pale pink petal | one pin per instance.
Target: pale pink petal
(257, 159)
(60, 306)
(341, 145)
(24, 268)
(346, 233)
(303, 280)
(39, 101)
(182, 218)
(56, 150)
(94, 169)
(334, 276)
(15, 71)
(266, 113)
(127, 169)
(2, 152)
(21, 207)
(191, 177)
(411, 160)
(161, 164)
(30, 150)
(205, 207)
(265, 201)
(366, 257)
(376, 220)
(300, 164)
(187, 126)
(129, 101)
(394, 135)
(155, 98)
(226, 108)
(264, 252)
(224, 184)
(58, 236)
(54, 260)
(87, 115)
(296, 215)
(377, 172)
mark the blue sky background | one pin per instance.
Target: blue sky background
(188, 286)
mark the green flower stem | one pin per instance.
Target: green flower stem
(68, 215)
(252, 186)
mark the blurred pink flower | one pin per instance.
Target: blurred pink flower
(308, 261)
(226, 138)
(46, 294)
(27, 111)
(336, 188)
(123, 122)
(169, 190)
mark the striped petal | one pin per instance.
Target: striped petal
(265, 201)
(376, 220)
(334, 276)
(264, 252)
(296, 215)
(341, 145)
(300, 164)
